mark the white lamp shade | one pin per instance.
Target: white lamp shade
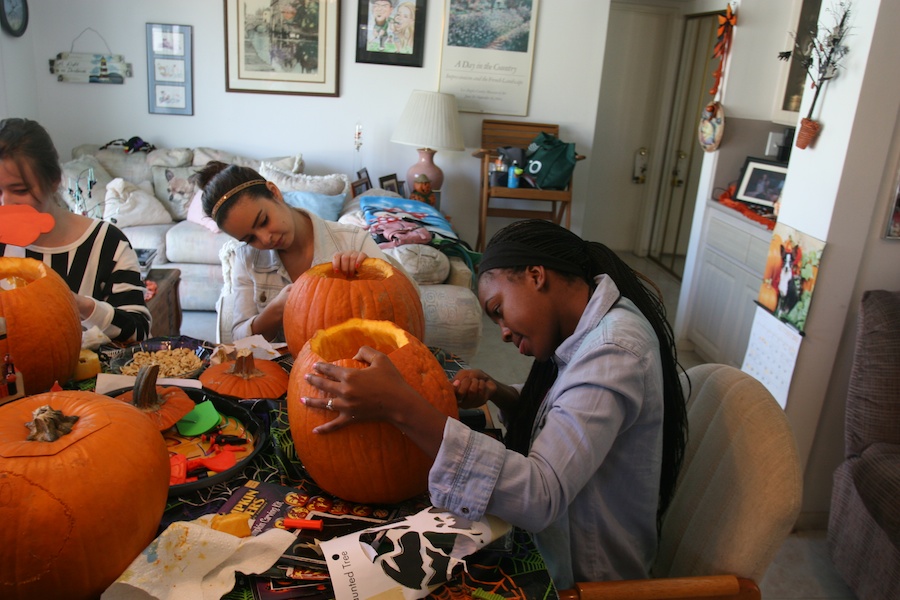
(430, 120)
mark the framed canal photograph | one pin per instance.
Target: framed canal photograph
(282, 48)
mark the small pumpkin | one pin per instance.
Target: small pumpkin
(365, 462)
(245, 377)
(77, 507)
(43, 328)
(768, 296)
(322, 297)
(164, 406)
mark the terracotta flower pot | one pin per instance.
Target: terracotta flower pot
(809, 130)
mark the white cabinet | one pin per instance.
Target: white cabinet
(732, 258)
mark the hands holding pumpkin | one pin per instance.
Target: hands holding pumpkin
(376, 393)
(348, 261)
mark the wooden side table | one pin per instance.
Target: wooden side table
(165, 308)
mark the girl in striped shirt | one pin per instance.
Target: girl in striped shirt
(92, 256)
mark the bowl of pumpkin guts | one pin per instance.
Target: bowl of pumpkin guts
(210, 438)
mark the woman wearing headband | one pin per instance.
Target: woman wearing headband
(595, 436)
(281, 242)
(92, 256)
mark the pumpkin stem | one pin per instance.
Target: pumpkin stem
(244, 366)
(145, 396)
(48, 424)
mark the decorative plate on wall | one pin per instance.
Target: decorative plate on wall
(712, 126)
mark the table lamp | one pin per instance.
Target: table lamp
(431, 122)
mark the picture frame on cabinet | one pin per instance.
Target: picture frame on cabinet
(170, 79)
(389, 183)
(761, 181)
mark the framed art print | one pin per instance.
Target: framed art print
(761, 181)
(892, 231)
(391, 32)
(282, 47)
(169, 69)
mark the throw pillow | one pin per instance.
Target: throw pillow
(325, 206)
(175, 189)
(78, 170)
(292, 164)
(128, 205)
(331, 185)
(130, 167)
(196, 215)
(425, 264)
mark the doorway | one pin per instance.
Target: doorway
(679, 179)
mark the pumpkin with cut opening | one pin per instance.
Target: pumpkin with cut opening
(43, 328)
(322, 297)
(83, 486)
(365, 462)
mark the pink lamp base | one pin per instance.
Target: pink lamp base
(425, 166)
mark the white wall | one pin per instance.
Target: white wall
(565, 86)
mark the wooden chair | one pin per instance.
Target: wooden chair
(737, 498)
(499, 134)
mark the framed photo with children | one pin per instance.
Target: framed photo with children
(391, 32)
(761, 181)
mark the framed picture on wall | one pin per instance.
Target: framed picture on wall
(391, 32)
(761, 181)
(892, 231)
(170, 69)
(282, 48)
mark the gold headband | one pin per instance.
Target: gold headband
(233, 191)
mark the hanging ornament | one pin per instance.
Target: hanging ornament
(712, 119)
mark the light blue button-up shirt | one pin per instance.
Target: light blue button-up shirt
(589, 487)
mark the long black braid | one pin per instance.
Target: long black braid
(574, 257)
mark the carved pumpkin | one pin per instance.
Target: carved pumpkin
(43, 328)
(77, 510)
(164, 406)
(365, 462)
(245, 377)
(322, 297)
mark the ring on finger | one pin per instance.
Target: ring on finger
(330, 404)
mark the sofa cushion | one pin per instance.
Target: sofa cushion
(876, 475)
(149, 236)
(200, 285)
(175, 188)
(130, 167)
(322, 205)
(425, 264)
(78, 170)
(127, 205)
(188, 242)
(170, 157)
(291, 164)
(196, 215)
(336, 183)
(453, 318)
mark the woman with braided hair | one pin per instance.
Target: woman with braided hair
(595, 436)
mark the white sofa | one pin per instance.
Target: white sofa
(131, 188)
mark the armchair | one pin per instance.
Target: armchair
(499, 134)
(737, 498)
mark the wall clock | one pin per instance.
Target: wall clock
(14, 16)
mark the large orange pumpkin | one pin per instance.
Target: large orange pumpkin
(245, 377)
(76, 511)
(365, 462)
(322, 297)
(43, 326)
